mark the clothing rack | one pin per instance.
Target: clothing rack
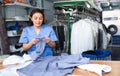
(71, 11)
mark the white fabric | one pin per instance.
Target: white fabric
(14, 59)
(12, 69)
(95, 27)
(105, 41)
(97, 68)
(82, 37)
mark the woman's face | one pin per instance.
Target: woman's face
(37, 19)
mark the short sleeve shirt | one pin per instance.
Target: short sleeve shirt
(29, 33)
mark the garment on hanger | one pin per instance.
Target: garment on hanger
(61, 34)
(60, 31)
(88, 34)
(94, 26)
(82, 37)
(103, 38)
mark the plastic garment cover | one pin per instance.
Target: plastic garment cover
(87, 35)
(82, 37)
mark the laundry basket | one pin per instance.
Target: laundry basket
(100, 55)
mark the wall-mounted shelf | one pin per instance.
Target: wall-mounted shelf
(20, 4)
(17, 19)
(14, 33)
(16, 16)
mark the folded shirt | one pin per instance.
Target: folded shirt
(97, 68)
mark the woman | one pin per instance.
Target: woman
(38, 30)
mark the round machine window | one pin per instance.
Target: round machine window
(112, 29)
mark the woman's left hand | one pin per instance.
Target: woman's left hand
(50, 43)
(47, 39)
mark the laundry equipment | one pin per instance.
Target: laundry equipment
(111, 19)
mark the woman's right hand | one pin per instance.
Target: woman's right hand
(26, 46)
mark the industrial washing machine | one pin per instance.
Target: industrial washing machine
(111, 19)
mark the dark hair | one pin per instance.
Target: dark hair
(36, 11)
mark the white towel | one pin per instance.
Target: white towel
(97, 68)
(11, 70)
(15, 59)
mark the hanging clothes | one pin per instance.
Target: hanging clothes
(87, 35)
(82, 37)
(103, 37)
(94, 26)
(60, 30)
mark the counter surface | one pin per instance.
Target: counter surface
(114, 72)
(79, 72)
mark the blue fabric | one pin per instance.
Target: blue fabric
(29, 33)
(99, 54)
(39, 50)
(103, 53)
(53, 65)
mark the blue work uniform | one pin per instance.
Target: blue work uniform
(29, 33)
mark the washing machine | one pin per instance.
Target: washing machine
(111, 19)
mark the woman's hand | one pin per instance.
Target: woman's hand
(50, 43)
(34, 41)
(26, 46)
(47, 39)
